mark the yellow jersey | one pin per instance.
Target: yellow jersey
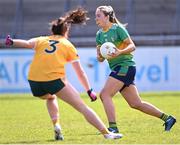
(51, 55)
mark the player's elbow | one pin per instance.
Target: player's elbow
(133, 47)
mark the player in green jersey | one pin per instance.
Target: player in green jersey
(123, 69)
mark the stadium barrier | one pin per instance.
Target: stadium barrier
(157, 69)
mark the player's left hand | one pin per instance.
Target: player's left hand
(92, 95)
(9, 41)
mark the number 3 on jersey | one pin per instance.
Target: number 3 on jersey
(52, 44)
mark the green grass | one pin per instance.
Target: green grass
(24, 120)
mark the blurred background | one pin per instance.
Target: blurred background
(154, 25)
(150, 22)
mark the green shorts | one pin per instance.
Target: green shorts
(48, 87)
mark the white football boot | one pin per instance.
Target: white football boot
(112, 135)
(57, 133)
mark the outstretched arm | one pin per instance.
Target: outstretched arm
(84, 79)
(20, 42)
(81, 75)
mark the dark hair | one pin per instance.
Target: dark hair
(108, 11)
(63, 24)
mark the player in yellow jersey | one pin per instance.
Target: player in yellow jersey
(47, 75)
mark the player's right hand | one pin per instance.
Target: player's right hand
(92, 95)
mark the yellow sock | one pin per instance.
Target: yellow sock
(55, 122)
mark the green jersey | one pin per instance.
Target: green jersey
(116, 34)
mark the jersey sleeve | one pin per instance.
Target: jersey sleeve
(122, 33)
(72, 53)
(38, 41)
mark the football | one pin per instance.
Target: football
(106, 49)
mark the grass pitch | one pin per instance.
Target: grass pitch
(24, 120)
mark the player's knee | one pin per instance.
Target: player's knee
(48, 96)
(104, 95)
(81, 107)
(101, 96)
(135, 105)
(85, 110)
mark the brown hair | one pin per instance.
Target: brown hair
(63, 24)
(108, 11)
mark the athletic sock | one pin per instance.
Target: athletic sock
(164, 117)
(55, 121)
(113, 125)
(57, 127)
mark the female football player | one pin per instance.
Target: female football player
(123, 69)
(47, 73)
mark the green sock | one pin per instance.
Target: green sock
(164, 117)
(112, 125)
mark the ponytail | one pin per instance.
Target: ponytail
(63, 24)
(78, 16)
